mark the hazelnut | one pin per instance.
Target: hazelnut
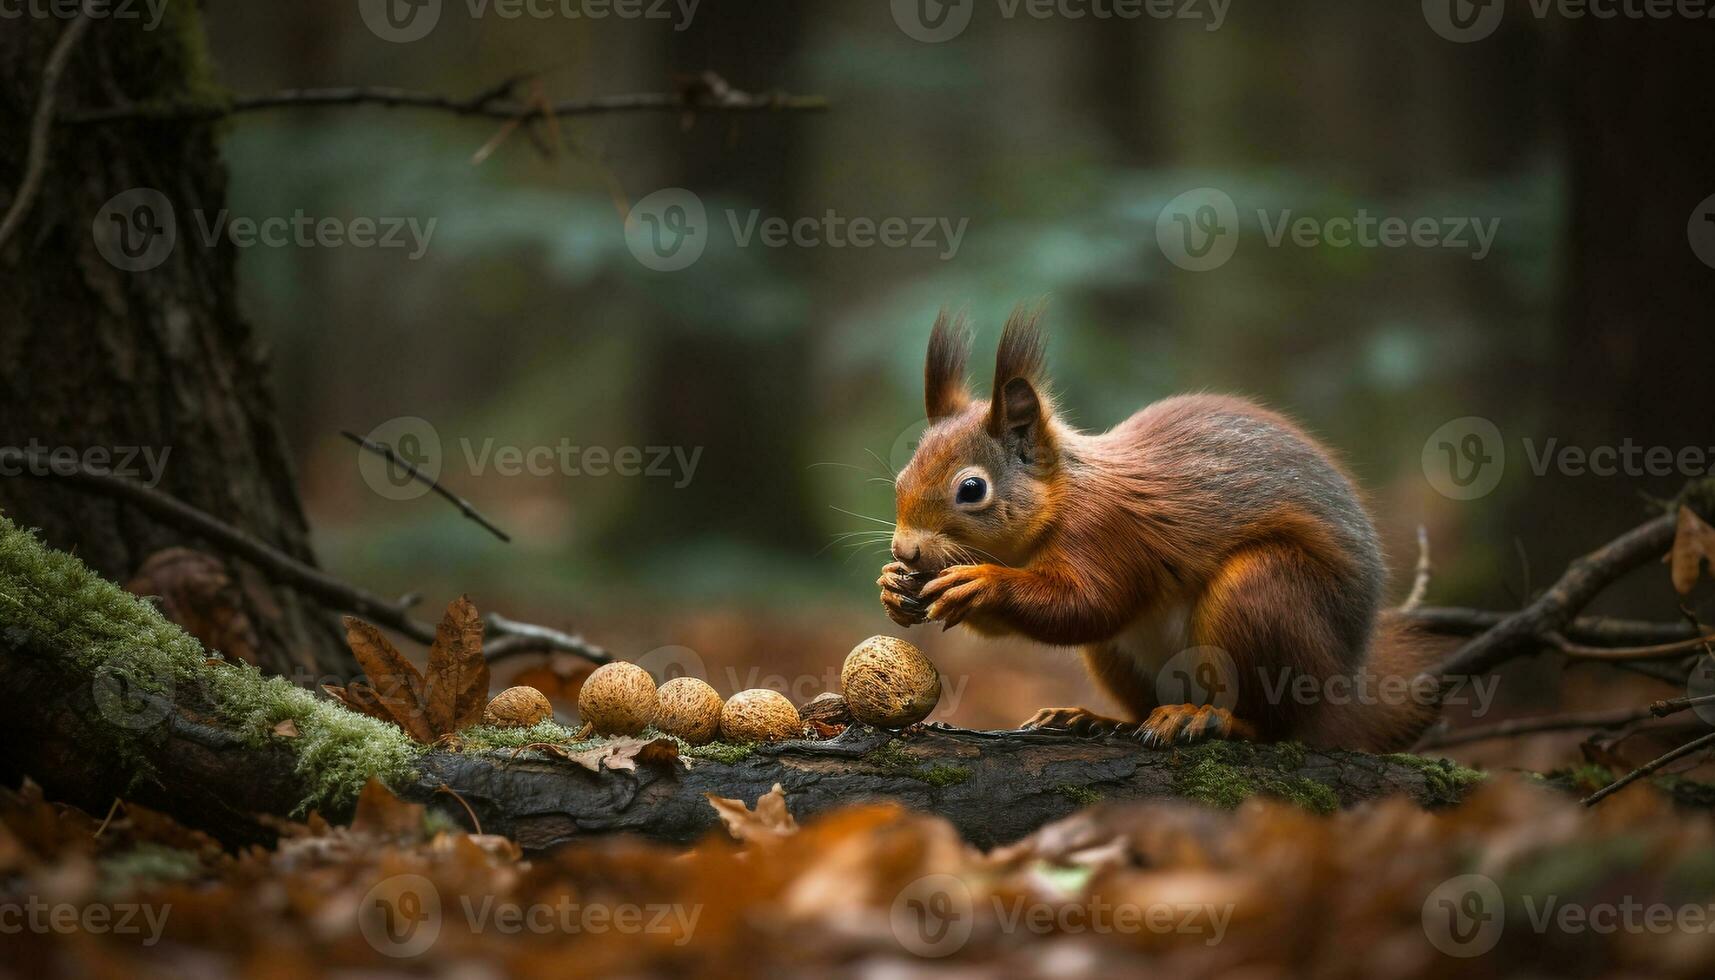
(618, 699)
(517, 707)
(690, 709)
(888, 683)
(759, 715)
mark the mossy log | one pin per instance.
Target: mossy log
(994, 786)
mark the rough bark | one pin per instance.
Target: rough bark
(94, 356)
(994, 786)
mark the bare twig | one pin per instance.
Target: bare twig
(490, 103)
(1644, 770)
(1661, 651)
(1554, 609)
(1420, 585)
(386, 452)
(36, 161)
(1595, 631)
(277, 565)
(1579, 721)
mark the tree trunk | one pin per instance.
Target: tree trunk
(110, 352)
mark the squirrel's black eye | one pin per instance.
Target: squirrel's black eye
(972, 490)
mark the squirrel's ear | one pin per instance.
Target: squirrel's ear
(1016, 412)
(944, 391)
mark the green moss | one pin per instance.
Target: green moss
(1445, 779)
(1210, 773)
(943, 775)
(145, 864)
(100, 631)
(894, 758)
(725, 753)
(1079, 795)
(487, 738)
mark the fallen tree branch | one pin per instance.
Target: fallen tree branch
(995, 787)
(1551, 612)
(509, 636)
(1595, 631)
(36, 159)
(707, 93)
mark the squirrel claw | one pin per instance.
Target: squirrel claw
(1182, 724)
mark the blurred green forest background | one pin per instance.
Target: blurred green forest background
(528, 321)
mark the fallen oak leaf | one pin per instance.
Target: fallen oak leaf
(360, 698)
(395, 682)
(287, 729)
(618, 755)
(1693, 545)
(770, 821)
(457, 677)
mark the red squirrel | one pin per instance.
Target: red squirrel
(1202, 523)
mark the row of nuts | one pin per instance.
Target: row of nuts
(885, 682)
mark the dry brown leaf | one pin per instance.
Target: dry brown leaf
(360, 698)
(457, 677)
(287, 729)
(769, 821)
(1693, 544)
(381, 813)
(619, 754)
(395, 683)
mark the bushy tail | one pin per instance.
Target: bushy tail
(1396, 697)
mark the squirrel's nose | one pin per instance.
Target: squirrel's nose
(901, 553)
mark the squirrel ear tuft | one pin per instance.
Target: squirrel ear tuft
(944, 390)
(1022, 357)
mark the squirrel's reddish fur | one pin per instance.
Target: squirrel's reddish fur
(1202, 523)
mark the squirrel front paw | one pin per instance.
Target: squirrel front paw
(899, 594)
(957, 592)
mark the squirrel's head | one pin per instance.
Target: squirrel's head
(980, 485)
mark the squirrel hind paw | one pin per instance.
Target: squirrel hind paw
(1182, 724)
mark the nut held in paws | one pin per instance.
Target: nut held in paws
(517, 707)
(759, 715)
(888, 683)
(690, 709)
(618, 699)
